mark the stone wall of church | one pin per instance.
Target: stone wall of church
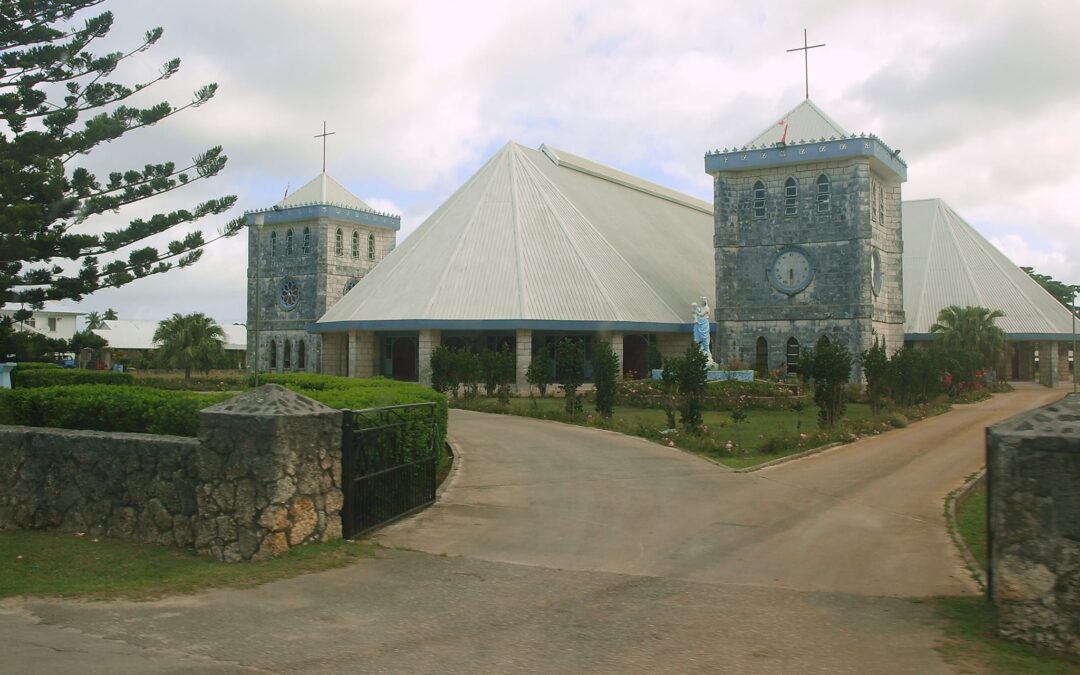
(352, 265)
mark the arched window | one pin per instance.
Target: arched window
(881, 204)
(355, 245)
(761, 355)
(301, 356)
(824, 194)
(371, 247)
(307, 240)
(288, 242)
(825, 340)
(273, 354)
(286, 360)
(339, 242)
(792, 355)
(873, 200)
(759, 199)
(791, 197)
(273, 243)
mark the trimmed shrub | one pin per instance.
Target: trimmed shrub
(52, 377)
(605, 375)
(106, 408)
(225, 381)
(828, 364)
(570, 372)
(690, 377)
(539, 372)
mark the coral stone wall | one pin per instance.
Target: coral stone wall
(1033, 464)
(264, 476)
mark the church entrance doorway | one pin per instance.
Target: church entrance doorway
(636, 356)
(399, 357)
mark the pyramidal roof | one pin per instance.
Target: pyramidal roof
(946, 262)
(324, 190)
(804, 123)
(541, 238)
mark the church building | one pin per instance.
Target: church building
(807, 237)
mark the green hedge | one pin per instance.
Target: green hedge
(106, 408)
(722, 396)
(26, 366)
(52, 377)
(234, 381)
(356, 394)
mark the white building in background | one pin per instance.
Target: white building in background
(130, 338)
(54, 321)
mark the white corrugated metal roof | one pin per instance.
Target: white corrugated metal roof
(529, 239)
(324, 190)
(805, 123)
(135, 334)
(946, 262)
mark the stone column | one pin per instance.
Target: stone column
(523, 356)
(1048, 363)
(428, 341)
(615, 339)
(351, 347)
(367, 354)
(269, 475)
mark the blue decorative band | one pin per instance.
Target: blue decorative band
(824, 151)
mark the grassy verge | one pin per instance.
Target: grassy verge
(971, 523)
(46, 563)
(972, 644)
(759, 436)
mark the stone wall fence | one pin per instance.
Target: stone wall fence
(264, 475)
(1033, 502)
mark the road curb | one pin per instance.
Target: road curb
(953, 502)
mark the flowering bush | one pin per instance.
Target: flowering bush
(723, 396)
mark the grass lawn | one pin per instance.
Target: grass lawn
(647, 422)
(62, 564)
(971, 522)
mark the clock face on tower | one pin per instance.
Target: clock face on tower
(875, 272)
(791, 271)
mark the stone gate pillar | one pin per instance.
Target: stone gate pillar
(269, 475)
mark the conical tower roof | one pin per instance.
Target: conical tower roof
(542, 239)
(804, 123)
(324, 190)
(946, 262)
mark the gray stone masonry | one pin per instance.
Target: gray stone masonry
(263, 476)
(1033, 463)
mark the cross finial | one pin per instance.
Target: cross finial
(323, 136)
(805, 49)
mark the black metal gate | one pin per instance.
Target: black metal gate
(388, 464)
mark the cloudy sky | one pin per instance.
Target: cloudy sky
(980, 96)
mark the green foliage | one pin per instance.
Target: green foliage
(94, 321)
(57, 105)
(654, 358)
(84, 339)
(727, 395)
(190, 341)
(539, 371)
(605, 377)
(828, 365)
(106, 408)
(442, 370)
(497, 368)
(691, 380)
(971, 329)
(233, 380)
(570, 368)
(52, 377)
(878, 374)
(22, 345)
(1062, 292)
(915, 377)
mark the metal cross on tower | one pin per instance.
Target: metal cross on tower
(323, 136)
(805, 49)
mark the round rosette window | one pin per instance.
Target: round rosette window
(289, 295)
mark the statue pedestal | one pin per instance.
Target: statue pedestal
(5, 374)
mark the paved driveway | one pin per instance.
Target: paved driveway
(560, 549)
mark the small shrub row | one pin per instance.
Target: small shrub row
(52, 377)
(106, 408)
(224, 381)
(730, 395)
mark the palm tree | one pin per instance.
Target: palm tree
(94, 321)
(110, 315)
(971, 329)
(189, 342)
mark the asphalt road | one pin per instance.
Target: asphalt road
(557, 549)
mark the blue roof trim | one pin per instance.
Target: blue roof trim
(312, 211)
(1011, 337)
(799, 153)
(502, 324)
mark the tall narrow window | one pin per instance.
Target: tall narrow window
(759, 199)
(286, 360)
(824, 194)
(761, 355)
(307, 240)
(881, 204)
(339, 242)
(273, 354)
(371, 247)
(273, 243)
(355, 245)
(288, 242)
(792, 355)
(873, 200)
(301, 356)
(791, 197)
